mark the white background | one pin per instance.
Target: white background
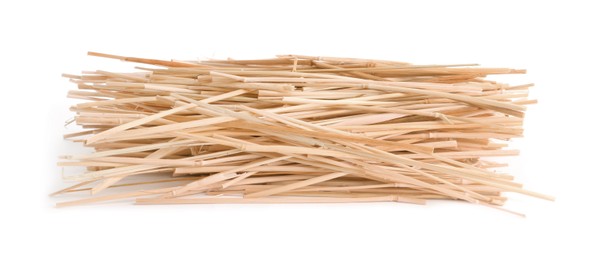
(41, 39)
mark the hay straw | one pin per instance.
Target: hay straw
(294, 129)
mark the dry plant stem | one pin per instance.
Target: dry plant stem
(294, 129)
(267, 200)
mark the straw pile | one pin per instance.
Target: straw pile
(294, 129)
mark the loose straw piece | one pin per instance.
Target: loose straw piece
(294, 129)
